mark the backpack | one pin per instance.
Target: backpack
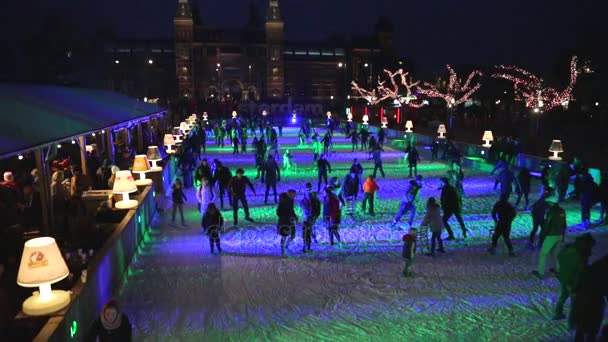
(315, 207)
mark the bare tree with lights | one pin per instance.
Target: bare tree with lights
(456, 91)
(531, 89)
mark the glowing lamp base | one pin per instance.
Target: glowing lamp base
(487, 144)
(409, 130)
(126, 204)
(37, 305)
(555, 158)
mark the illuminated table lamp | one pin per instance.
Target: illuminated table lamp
(294, 117)
(141, 166)
(177, 134)
(350, 117)
(153, 155)
(365, 119)
(205, 116)
(234, 114)
(264, 113)
(184, 127)
(190, 123)
(488, 137)
(409, 125)
(169, 141)
(42, 265)
(556, 147)
(441, 130)
(89, 148)
(124, 184)
(329, 115)
(384, 122)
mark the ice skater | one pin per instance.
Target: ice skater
(553, 232)
(409, 202)
(370, 187)
(237, 187)
(377, 157)
(332, 215)
(286, 225)
(433, 219)
(178, 198)
(503, 214)
(213, 223)
(323, 167)
(273, 175)
(409, 251)
(311, 210)
(451, 205)
(204, 195)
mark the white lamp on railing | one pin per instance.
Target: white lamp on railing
(384, 122)
(169, 141)
(153, 155)
(234, 114)
(184, 127)
(488, 137)
(177, 135)
(141, 166)
(264, 113)
(205, 116)
(42, 265)
(409, 125)
(441, 130)
(556, 147)
(349, 116)
(329, 115)
(365, 119)
(125, 184)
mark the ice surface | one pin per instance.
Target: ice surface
(177, 291)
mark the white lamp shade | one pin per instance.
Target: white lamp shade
(124, 182)
(329, 115)
(409, 124)
(89, 148)
(41, 263)
(169, 140)
(441, 129)
(140, 163)
(205, 116)
(184, 127)
(556, 146)
(153, 153)
(234, 114)
(264, 113)
(365, 118)
(488, 136)
(384, 120)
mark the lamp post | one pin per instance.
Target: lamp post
(343, 66)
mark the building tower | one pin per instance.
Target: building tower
(184, 36)
(275, 81)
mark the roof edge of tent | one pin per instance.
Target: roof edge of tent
(151, 110)
(58, 140)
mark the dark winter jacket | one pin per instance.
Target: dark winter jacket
(222, 176)
(212, 222)
(238, 186)
(555, 221)
(178, 195)
(503, 213)
(449, 199)
(101, 334)
(409, 247)
(273, 173)
(350, 187)
(539, 209)
(323, 166)
(331, 208)
(286, 214)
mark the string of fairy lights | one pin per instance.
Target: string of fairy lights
(528, 88)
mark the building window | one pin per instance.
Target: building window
(288, 52)
(314, 52)
(301, 52)
(339, 52)
(327, 52)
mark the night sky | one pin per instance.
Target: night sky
(431, 33)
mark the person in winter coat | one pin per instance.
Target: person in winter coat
(350, 189)
(589, 302)
(539, 209)
(311, 210)
(433, 219)
(213, 223)
(332, 214)
(112, 325)
(503, 214)
(377, 157)
(573, 261)
(204, 195)
(323, 167)
(506, 179)
(237, 187)
(413, 157)
(588, 193)
(178, 198)
(273, 175)
(553, 231)
(221, 177)
(369, 189)
(409, 201)
(286, 225)
(409, 251)
(317, 147)
(203, 170)
(451, 205)
(522, 186)
(356, 168)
